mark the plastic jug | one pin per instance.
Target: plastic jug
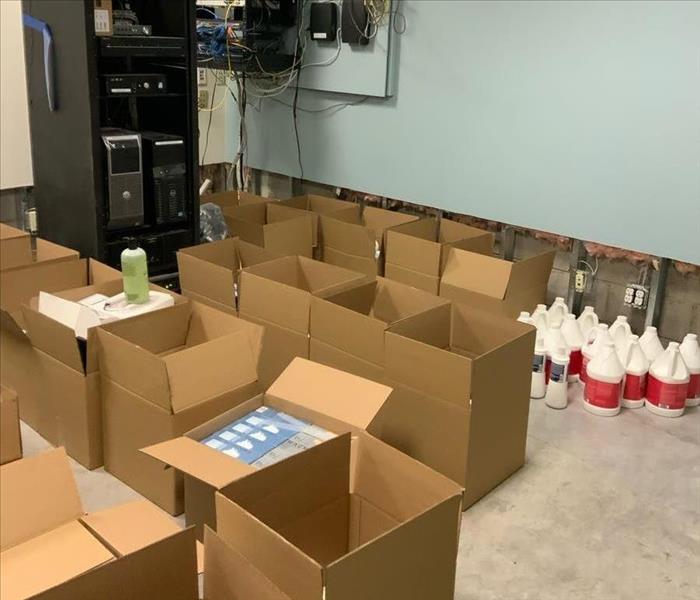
(135, 272)
(554, 340)
(538, 385)
(571, 331)
(557, 312)
(667, 385)
(587, 320)
(636, 369)
(619, 332)
(604, 376)
(600, 335)
(539, 317)
(651, 344)
(555, 396)
(690, 351)
(525, 318)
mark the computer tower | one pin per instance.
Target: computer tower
(124, 178)
(165, 176)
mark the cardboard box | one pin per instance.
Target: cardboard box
(462, 381)
(234, 198)
(15, 247)
(276, 228)
(322, 205)
(51, 550)
(357, 242)
(103, 17)
(350, 518)
(68, 366)
(55, 268)
(165, 373)
(503, 286)
(10, 437)
(353, 323)
(277, 294)
(209, 273)
(416, 252)
(326, 397)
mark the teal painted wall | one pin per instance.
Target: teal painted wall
(578, 118)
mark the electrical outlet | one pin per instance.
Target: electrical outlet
(201, 76)
(203, 99)
(580, 280)
(636, 296)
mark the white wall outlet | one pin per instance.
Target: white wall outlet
(203, 99)
(636, 296)
(201, 76)
(580, 280)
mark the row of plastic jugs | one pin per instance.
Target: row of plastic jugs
(617, 367)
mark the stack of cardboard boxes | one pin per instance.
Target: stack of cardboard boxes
(420, 398)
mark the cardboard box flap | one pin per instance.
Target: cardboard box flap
(250, 254)
(229, 575)
(50, 559)
(99, 273)
(341, 232)
(15, 247)
(209, 269)
(220, 365)
(478, 273)
(12, 324)
(278, 212)
(129, 527)
(55, 335)
(531, 273)
(379, 219)
(37, 494)
(199, 461)
(337, 394)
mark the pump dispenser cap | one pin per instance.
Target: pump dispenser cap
(133, 243)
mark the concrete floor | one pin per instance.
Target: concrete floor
(604, 509)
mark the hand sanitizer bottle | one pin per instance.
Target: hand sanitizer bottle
(135, 273)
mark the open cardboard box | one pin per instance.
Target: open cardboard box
(277, 294)
(323, 396)
(277, 228)
(55, 268)
(347, 328)
(51, 550)
(506, 287)
(15, 247)
(350, 518)
(164, 373)
(209, 273)
(462, 388)
(234, 198)
(71, 414)
(10, 437)
(356, 241)
(416, 252)
(322, 205)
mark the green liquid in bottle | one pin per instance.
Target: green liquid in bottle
(135, 273)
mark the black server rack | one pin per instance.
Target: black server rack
(114, 127)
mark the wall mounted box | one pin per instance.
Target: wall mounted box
(68, 366)
(276, 228)
(209, 273)
(354, 322)
(51, 550)
(357, 242)
(277, 294)
(462, 389)
(503, 286)
(169, 371)
(350, 518)
(55, 268)
(10, 436)
(322, 205)
(416, 252)
(328, 398)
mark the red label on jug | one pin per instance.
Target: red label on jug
(602, 393)
(575, 362)
(582, 374)
(635, 387)
(694, 386)
(547, 369)
(666, 395)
